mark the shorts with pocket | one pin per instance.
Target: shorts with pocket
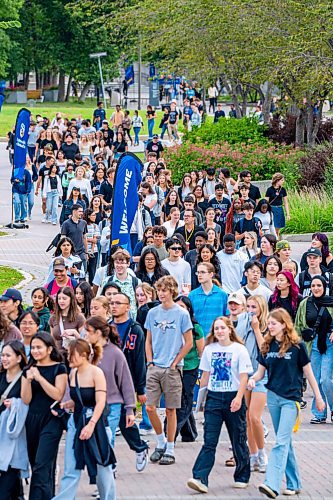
(260, 385)
(164, 381)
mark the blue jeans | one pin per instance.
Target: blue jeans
(20, 206)
(322, 366)
(217, 411)
(70, 480)
(136, 134)
(151, 123)
(282, 459)
(145, 422)
(164, 129)
(52, 199)
(113, 420)
(31, 202)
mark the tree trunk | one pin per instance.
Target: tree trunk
(69, 84)
(316, 125)
(61, 91)
(38, 86)
(26, 78)
(54, 78)
(300, 128)
(235, 101)
(266, 107)
(84, 91)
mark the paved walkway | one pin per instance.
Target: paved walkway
(25, 249)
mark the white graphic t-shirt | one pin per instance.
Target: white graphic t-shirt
(225, 363)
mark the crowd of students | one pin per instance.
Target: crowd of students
(208, 290)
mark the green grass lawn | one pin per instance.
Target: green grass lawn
(9, 277)
(71, 110)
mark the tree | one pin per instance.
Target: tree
(9, 19)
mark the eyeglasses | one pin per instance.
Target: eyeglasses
(28, 323)
(175, 248)
(119, 303)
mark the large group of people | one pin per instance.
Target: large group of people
(208, 294)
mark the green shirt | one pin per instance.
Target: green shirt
(191, 360)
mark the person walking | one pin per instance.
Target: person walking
(226, 365)
(20, 189)
(285, 359)
(52, 191)
(137, 124)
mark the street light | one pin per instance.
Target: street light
(98, 56)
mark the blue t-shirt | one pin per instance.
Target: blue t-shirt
(167, 327)
(121, 328)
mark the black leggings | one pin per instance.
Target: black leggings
(10, 484)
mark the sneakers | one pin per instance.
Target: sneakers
(262, 459)
(254, 463)
(197, 485)
(141, 460)
(303, 404)
(44, 221)
(290, 493)
(240, 485)
(266, 490)
(316, 420)
(145, 432)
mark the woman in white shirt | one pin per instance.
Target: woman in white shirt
(250, 247)
(150, 199)
(225, 364)
(81, 182)
(173, 221)
(264, 213)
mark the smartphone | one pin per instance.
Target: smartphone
(57, 408)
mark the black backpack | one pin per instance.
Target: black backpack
(54, 242)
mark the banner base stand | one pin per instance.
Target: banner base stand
(16, 225)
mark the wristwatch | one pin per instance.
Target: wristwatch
(150, 363)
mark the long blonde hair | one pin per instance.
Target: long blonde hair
(290, 337)
(233, 334)
(263, 316)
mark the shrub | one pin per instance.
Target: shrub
(243, 131)
(262, 160)
(282, 129)
(310, 211)
(312, 165)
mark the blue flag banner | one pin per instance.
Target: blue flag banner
(129, 75)
(125, 199)
(2, 98)
(21, 142)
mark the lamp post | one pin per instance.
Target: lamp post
(98, 56)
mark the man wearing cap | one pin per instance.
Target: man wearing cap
(99, 115)
(155, 146)
(232, 263)
(61, 278)
(11, 307)
(315, 268)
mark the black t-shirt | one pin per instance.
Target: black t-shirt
(53, 182)
(106, 190)
(223, 205)
(275, 196)
(150, 114)
(75, 231)
(155, 148)
(15, 391)
(245, 225)
(42, 172)
(49, 142)
(70, 150)
(254, 193)
(285, 373)
(218, 114)
(41, 402)
(189, 236)
(173, 117)
(119, 147)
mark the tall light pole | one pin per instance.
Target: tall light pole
(139, 76)
(98, 56)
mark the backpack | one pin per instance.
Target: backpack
(54, 242)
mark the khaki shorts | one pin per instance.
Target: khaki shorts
(164, 381)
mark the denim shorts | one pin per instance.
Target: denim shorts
(260, 386)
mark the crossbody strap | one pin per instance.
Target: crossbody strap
(320, 314)
(9, 388)
(77, 389)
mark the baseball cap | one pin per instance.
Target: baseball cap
(59, 263)
(313, 251)
(282, 244)
(155, 136)
(105, 121)
(238, 298)
(11, 293)
(40, 120)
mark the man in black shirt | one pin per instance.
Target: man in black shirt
(219, 113)
(245, 177)
(220, 201)
(107, 132)
(76, 229)
(173, 122)
(249, 223)
(189, 231)
(69, 148)
(106, 189)
(42, 172)
(155, 146)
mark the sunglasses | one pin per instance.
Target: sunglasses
(175, 248)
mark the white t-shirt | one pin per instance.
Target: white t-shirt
(170, 229)
(180, 270)
(232, 267)
(261, 290)
(225, 364)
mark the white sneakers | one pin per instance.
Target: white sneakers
(262, 461)
(197, 485)
(141, 460)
